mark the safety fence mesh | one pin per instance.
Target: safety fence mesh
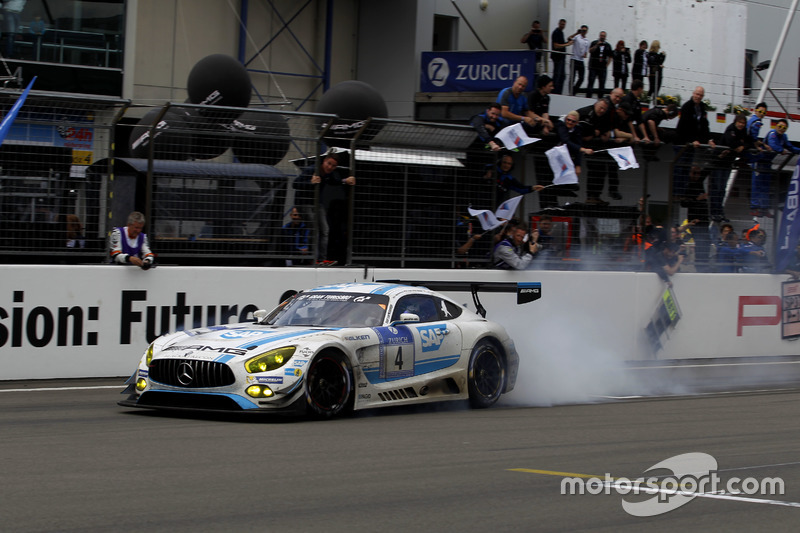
(222, 186)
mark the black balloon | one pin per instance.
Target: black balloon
(210, 137)
(353, 102)
(173, 138)
(260, 137)
(219, 80)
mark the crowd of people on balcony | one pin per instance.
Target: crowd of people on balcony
(702, 169)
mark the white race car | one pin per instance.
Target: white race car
(331, 350)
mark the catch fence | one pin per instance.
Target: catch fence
(219, 186)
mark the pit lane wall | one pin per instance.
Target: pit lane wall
(95, 320)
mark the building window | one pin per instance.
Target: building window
(445, 33)
(70, 45)
(750, 61)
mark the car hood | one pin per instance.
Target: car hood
(233, 340)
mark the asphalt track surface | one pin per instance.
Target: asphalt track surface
(72, 460)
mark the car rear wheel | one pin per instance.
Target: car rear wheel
(487, 375)
(329, 386)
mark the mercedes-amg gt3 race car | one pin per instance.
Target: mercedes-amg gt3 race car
(331, 350)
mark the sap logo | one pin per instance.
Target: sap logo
(432, 337)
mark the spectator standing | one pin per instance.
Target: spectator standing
(655, 62)
(761, 162)
(735, 141)
(559, 46)
(513, 253)
(622, 57)
(12, 13)
(580, 47)
(600, 56)
(129, 246)
(333, 197)
(487, 124)
(755, 121)
(756, 260)
(696, 203)
(537, 41)
(640, 69)
(778, 143)
(692, 129)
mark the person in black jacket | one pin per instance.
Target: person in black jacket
(622, 57)
(692, 129)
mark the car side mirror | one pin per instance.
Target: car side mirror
(407, 317)
(260, 315)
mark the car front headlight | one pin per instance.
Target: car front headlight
(271, 360)
(148, 355)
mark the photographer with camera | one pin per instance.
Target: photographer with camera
(537, 41)
(516, 250)
(129, 246)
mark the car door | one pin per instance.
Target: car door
(418, 348)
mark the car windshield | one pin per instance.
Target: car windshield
(331, 309)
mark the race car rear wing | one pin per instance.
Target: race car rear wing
(527, 291)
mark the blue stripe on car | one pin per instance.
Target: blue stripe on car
(282, 336)
(420, 367)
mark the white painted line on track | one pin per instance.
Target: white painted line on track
(42, 389)
(716, 496)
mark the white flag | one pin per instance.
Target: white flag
(562, 165)
(486, 218)
(505, 211)
(515, 137)
(624, 157)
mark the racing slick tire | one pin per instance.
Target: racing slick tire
(486, 378)
(329, 386)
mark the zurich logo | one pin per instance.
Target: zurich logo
(438, 71)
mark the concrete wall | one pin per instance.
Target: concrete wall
(95, 320)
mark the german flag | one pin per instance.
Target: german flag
(721, 118)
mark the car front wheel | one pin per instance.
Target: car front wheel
(487, 375)
(329, 386)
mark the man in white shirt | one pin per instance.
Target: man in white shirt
(580, 47)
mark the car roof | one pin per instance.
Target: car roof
(389, 289)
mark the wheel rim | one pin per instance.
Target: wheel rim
(327, 384)
(488, 374)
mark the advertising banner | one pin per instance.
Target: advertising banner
(475, 71)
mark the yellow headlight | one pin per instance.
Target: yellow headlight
(259, 391)
(141, 384)
(271, 360)
(149, 354)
